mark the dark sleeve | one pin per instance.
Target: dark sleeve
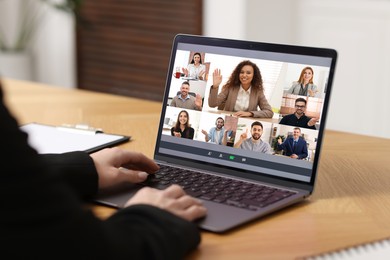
(156, 234)
(191, 133)
(77, 169)
(307, 122)
(172, 130)
(42, 214)
(283, 121)
(282, 146)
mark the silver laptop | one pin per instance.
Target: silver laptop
(239, 184)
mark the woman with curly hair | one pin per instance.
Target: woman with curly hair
(243, 93)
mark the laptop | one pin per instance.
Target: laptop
(237, 184)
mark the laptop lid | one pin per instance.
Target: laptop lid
(282, 68)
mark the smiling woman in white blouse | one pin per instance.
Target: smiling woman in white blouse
(195, 69)
(243, 93)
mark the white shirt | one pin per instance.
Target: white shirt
(217, 133)
(193, 71)
(242, 102)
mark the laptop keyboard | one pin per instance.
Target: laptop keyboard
(218, 189)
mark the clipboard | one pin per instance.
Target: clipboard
(67, 138)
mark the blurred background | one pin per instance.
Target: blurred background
(123, 47)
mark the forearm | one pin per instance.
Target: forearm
(213, 100)
(266, 113)
(136, 232)
(281, 146)
(238, 144)
(146, 232)
(77, 169)
(224, 138)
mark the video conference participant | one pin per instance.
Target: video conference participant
(254, 143)
(243, 93)
(294, 146)
(304, 86)
(299, 118)
(216, 133)
(182, 128)
(185, 100)
(195, 69)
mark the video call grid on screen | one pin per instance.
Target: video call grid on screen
(279, 71)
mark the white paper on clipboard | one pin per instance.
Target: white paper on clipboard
(59, 139)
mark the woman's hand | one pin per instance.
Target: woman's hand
(177, 134)
(115, 166)
(173, 199)
(201, 75)
(217, 78)
(185, 71)
(243, 114)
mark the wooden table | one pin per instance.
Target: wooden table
(351, 202)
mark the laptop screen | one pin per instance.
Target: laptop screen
(246, 106)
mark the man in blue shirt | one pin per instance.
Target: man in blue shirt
(215, 134)
(294, 146)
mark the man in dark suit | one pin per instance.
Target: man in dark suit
(294, 146)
